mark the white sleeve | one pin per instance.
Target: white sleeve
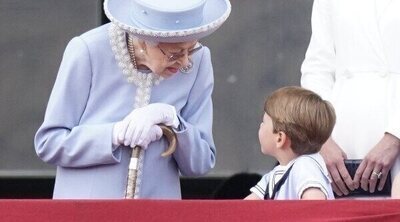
(259, 188)
(62, 139)
(318, 67)
(195, 152)
(308, 174)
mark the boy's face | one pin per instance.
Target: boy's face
(266, 136)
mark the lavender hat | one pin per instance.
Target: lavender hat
(168, 20)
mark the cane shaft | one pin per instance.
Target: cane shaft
(134, 161)
(133, 173)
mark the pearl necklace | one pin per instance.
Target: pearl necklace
(125, 60)
(124, 53)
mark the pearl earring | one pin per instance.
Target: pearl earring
(188, 68)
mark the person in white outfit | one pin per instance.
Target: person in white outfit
(353, 61)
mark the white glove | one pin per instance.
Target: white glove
(135, 127)
(155, 133)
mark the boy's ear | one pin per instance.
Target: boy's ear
(282, 139)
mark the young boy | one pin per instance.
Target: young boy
(296, 123)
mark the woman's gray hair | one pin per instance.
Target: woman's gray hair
(151, 43)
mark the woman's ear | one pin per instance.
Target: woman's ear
(142, 46)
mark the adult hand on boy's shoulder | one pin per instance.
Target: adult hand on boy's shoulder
(334, 159)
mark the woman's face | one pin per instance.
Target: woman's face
(166, 59)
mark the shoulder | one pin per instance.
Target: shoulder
(310, 171)
(202, 65)
(202, 56)
(96, 35)
(307, 160)
(92, 40)
(264, 180)
(312, 164)
(205, 51)
(91, 43)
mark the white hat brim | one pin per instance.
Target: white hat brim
(215, 13)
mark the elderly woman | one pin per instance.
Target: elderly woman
(116, 83)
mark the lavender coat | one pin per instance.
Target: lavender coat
(91, 94)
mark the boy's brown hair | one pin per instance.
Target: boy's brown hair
(305, 117)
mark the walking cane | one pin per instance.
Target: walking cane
(134, 162)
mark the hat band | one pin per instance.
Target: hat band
(167, 20)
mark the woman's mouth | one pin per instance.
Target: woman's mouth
(172, 69)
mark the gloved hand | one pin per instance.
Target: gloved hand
(155, 133)
(135, 127)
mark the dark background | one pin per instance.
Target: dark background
(259, 49)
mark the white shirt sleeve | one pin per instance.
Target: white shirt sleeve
(259, 188)
(309, 173)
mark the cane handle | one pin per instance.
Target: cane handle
(171, 138)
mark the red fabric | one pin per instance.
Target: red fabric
(198, 210)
